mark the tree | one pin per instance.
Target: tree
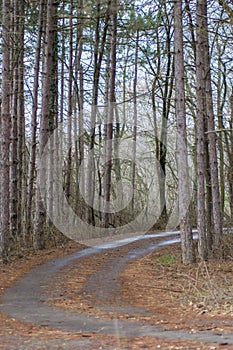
(32, 165)
(110, 115)
(14, 125)
(70, 105)
(206, 124)
(22, 160)
(212, 140)
(99, 50)
(5, 128)
(135, 118)
(201, 115)
(187, 245)
(40, 217)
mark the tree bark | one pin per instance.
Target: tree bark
(5, 129)
(201, 115)
(70, 107)
(32, 164)
(110, 110)
(98, 58)
(14, 126)
(187, 246)
(202, 33)
(22, 159)
(135, 120)
(40, 218)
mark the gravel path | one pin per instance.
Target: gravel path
(25, 300)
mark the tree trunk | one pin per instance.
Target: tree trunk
(5, 128)
(166, 95)
(32, 164)
(206, 77)
(98, 58)
(135, 120)
(40, 218)
(80, 181)
(53, 118)
(14, 126)
(188, 255)
(22, 161)
(201, 115)
(70, 107)
(109, 126)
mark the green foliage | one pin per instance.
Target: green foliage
(166, 259)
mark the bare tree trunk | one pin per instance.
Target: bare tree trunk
(208, 198)
(167, 93)
(102, 206)
(32, 165)
(70, 107)
(135, 119)
(5, 128)
(201, 115)
(216, 202)
(40, 218)
(80, 145)
(109, 126)
(14, 126)
(53, 118)
(22, 168)
(98, 57)
(188, 255)
(97, 66)
(58, 132)
(221, 101)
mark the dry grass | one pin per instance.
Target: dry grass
(202, 293)
(208, 286)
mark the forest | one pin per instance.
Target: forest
(116, 118)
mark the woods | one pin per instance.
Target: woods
(116, 117)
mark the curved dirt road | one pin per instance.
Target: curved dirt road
(25, 300)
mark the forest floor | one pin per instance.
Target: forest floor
(156, 290)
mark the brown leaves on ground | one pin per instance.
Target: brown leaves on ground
(14, 329)
(197, 297)
(194, 298)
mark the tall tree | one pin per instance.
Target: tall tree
(17, 163)
(99, 50)
(40, 217)
(206, 124)
(212, 140)
(187, 245)
(35, 97)
(135, 119)
(14, 123)
(5, 127)
(22, 161)
(201, 115)
(70, 104)
(80, 144)
(110, 115)
(166, 106)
